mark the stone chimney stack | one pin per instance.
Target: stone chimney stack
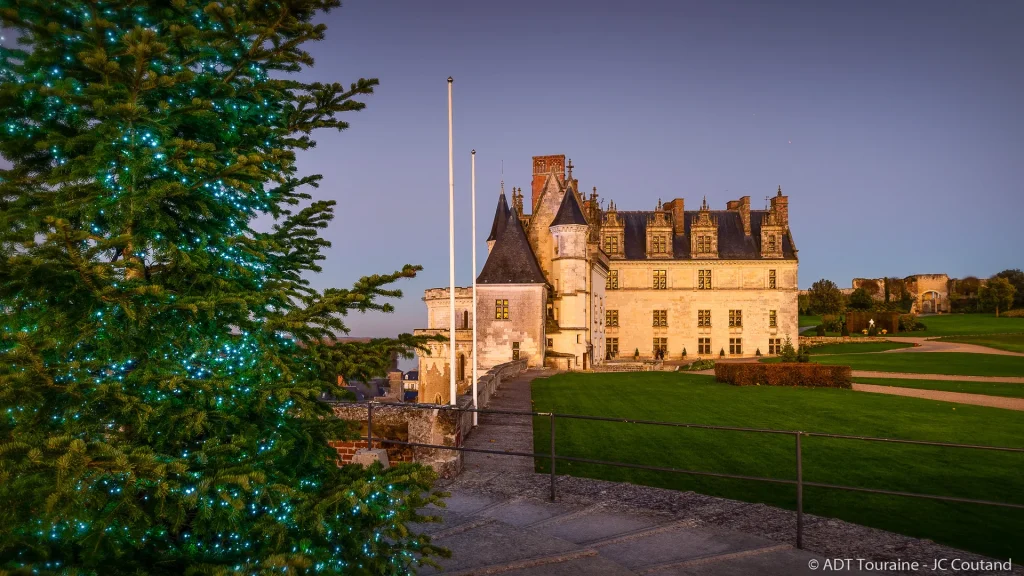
(395, 391)
(676, 208)
(542, 165)
(780, 206)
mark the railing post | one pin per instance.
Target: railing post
(799, 494)
(369, 425)
(552, 417)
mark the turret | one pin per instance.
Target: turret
(500, 218)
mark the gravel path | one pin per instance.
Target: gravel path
(913, 376)
(958, 397)
(928, 345)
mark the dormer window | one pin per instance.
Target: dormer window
(704, 243)
(611, 244)
(771, 242)
(659, 244)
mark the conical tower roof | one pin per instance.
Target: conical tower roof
(511, 261)
(569, 212)
(500, 216)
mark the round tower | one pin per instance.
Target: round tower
(569, 232)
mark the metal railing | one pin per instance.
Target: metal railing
(799, 483)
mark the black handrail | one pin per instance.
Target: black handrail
(797, 434)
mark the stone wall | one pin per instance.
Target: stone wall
(422, 424)
(644, 366)
(815, 340)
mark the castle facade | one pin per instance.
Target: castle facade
(573, 284)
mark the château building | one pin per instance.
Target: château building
(572, 284)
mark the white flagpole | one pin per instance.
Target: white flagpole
(473, 208)
(451, 254)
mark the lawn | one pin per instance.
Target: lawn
(949, 363)
(988, 388)
(852, 348)
(809, 321)
(699, 399)
(964, 324)
(1010, 342)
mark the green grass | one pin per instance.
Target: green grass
(809, 321)
(1010, 342)
(988, 388)
(964, 324)
(948, 363)
(691, 398)
(852, 348)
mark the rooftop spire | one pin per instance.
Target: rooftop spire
(500, 215)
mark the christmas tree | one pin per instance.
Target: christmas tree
(162, 360)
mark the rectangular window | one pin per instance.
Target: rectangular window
(775, 345)
(660, 345)
(551, 343)
(735, 346)
(515, 350)
(612, 282)
(611, 244)
(658, 244)
(704, 244)
(771, 242)
(611, 317)
(704, 318)
(773, 319)
(501, 309)
(704, 279)
(703, 345)
(771, 279)
(611, 347)
(661, 317)
(735, 318)
(660, 282)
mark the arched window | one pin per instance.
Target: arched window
(465, 319)
(462, 366)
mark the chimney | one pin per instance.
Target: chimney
(780, 206)
(743, 205)
(676, 208)
(542, 165)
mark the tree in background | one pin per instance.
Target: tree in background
(161, 359)
(997, 294)
(968, 287)
(860, 300)
(1016, 277)
(825, 297)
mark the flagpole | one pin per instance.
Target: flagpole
(451, 255)
(473, 220)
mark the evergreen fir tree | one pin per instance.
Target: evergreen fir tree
(161, 359)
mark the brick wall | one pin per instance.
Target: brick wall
(347, 449)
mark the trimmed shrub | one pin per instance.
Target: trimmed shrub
(845, 331)
(698, 365)
(1018, 313)
(784, 374)
(909, 323)
(832, 322)
(820, 330)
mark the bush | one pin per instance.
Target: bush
(909, 323)
(872, 330)
(698, 365)
(802, 354)
(832, 322)
(788, 353)
(1018, 313)
(784, 374)
(820, 330)
(845, 331)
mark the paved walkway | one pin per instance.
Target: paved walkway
(913, 376)
(929, 345)
(944, 396)
(499, 520)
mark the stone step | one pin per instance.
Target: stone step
(594, 524)
(492, 547)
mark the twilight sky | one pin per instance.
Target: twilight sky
(896, 128)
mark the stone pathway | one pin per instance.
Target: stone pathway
(913, 376)
(945, 396)
(929, 345)
(499, 520)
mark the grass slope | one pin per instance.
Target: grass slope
(1010, 342)
(964, 324)
(852, 348)
(699, 399)
(947, 363)
(809, 321)
(987, 388)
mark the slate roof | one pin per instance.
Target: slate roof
(511, 261)
(569, 212)
(732, 244)
(500, 217)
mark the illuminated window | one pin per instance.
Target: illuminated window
(660, 282)
(773, 319)
(658, 244)
(703, 345)
(771, 279)
(735, 318)
(612, 282)
(704, 318)
(661, 317)
(611, 244)
(611, 317)
(735, 346)
(771, 243)
(611, 347)
(515, 350)
(703, 243)
(501, 309)
(704, 279)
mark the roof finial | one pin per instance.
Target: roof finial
(780, 189)
(570, 167)
(502, 188)
(704, 205)
(659, 205)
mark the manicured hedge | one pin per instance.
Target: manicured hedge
(783, 374)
